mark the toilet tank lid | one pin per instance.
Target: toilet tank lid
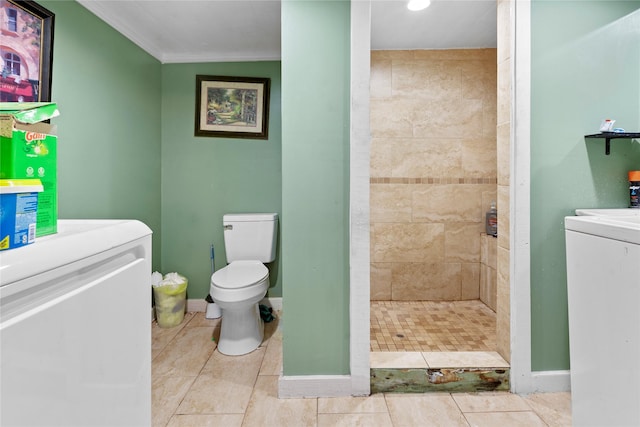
(247, 217)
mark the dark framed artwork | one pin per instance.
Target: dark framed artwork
(26, 51)
(232, 107)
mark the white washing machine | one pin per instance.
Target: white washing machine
(603, 286)
(75, 329)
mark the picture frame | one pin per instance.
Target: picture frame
(232, 107)
(26, 51)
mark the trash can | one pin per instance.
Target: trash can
(170, 300)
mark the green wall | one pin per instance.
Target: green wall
(585, 64)
(315, 186)
(203, 178)
(109, 125)
(127, 149)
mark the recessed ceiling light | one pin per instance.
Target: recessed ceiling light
(418, 4)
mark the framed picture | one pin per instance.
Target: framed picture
(26, 50)
(232, 107)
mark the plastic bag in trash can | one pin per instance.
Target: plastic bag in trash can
(170, 296)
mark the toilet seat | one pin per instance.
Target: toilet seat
(240, 274)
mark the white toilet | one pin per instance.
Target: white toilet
(249, 241)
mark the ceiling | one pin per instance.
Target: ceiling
(180, 31)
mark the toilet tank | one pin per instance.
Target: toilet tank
(250, 236)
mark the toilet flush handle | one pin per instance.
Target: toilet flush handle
(228, 227)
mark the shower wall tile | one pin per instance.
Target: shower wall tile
(391, 118)
(488, 272)
(377, 55)
(488, 288)
(433, 170)
(492, 260)
(380, 85)
(503, 312)
(455, 118)
(383, 156)
(504, 93)
(488, 250)
(479, 157)
(447, 203)
(462, 242)
(455, 54)
(478, 78)
(489, 118)
(425, 281)
(411, 242)
(503, 153)
(380, 281)
(503, 216)
(445, 158)
(504, 30)
(390, 203)
(434, 80)
(505, 12)
(470, 281)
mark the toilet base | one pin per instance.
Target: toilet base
(241, 331)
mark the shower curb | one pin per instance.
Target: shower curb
(449, 380)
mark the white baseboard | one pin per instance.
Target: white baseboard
(544, 382)
(301, 386)
(196, 305)
(551, 381)
(275, 303)
(201, 304)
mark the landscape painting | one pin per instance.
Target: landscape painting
(232, 107)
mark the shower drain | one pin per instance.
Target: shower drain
(400, 335)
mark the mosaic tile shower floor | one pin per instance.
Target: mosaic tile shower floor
(432, 326)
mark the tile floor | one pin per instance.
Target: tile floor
(432, 326)
(195, 385)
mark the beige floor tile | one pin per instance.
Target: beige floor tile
(493, 419)
(226, 420)
(352, 405)
(272, 361)
(553, 408)
(211, 395)
(354, 420)
(223, 366)
(186, 354)
(432, 409)
(490, 402)
(464, 359)
(397, 359)
(265, 409)
(199, 319)
(224, 386)
(166, 394)
(162, 336)
(272, 328)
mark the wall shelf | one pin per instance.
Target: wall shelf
(608, 136)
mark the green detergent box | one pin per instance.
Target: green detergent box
(28, 147)
(18, 212)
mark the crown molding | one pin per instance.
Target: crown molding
(119, 24)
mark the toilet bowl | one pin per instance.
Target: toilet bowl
(237, 289)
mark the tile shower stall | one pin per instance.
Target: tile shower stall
(433, 175)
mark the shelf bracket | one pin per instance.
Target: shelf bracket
(608, 136)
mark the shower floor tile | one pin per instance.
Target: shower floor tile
(432, 326)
